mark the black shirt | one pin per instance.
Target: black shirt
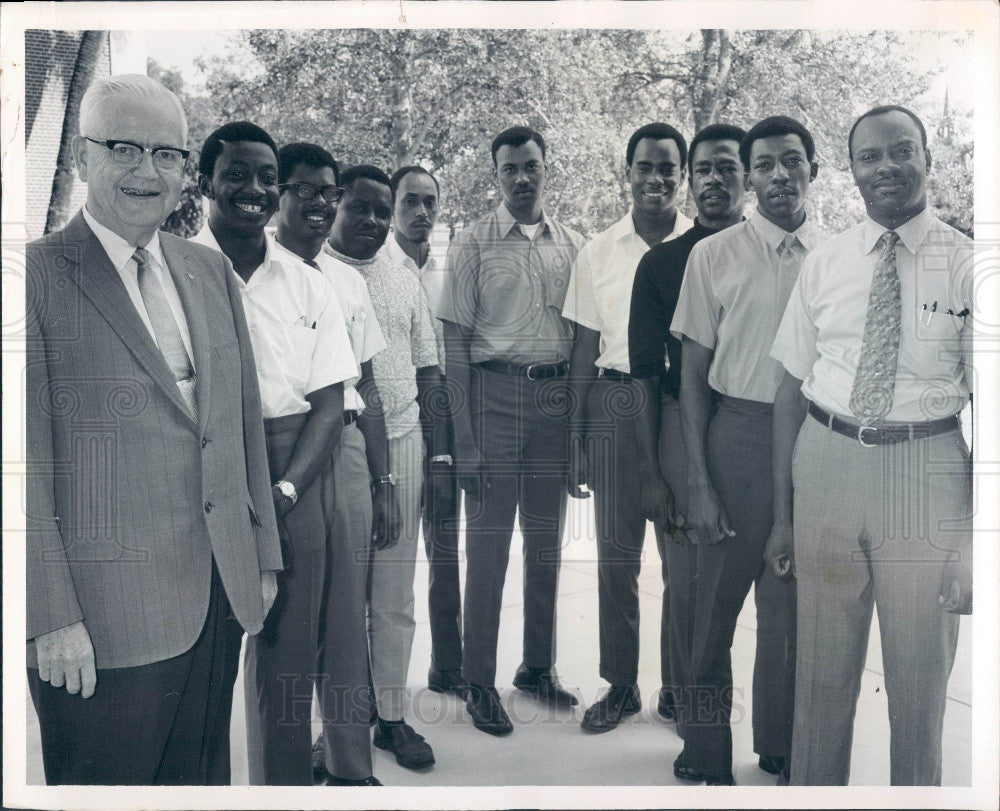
(655, 291)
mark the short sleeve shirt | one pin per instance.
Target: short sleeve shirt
(401, 310)
(509, 290)
(736, 285)
(431, 280)
(359, 317)
(819, 340)
(600, 286)
(300, 343)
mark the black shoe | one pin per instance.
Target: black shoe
(684, 772)
(447, 681)
(371, 780)
(609, 712)
(725, 780)
(665, 705)
(544, 686)
(772, 764)
(320, 774)
(410, 749)
(488, 714)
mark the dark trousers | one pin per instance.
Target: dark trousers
(520, 428)
(739, 465)
(345, 701)
(165, 723)
(621, 530)
(281, 661)
(444, 596)
(680, 560)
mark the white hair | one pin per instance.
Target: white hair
(133, 86)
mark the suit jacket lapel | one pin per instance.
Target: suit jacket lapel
(187, 279)
(91, 270)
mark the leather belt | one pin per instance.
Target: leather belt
(618, 377)
(532, 371)
(870, 436)
(350, 416)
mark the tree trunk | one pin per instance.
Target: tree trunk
(83, 74)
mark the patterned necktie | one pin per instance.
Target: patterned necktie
(165, 329)
(875, 379)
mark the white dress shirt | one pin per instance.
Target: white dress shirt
(362, 324)
(300, 342)
(600, 286)
(819, 340)
(736, 285)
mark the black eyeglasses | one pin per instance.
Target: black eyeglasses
(127, 153)
(307, 191)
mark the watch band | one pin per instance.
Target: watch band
(388, 478)
(443, 457)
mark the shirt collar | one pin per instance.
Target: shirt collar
(271, 248)
(394, 251)
(911, 233)
(119, 250)
(625, 227)
(360, 264)
(774, 234)
(506, 220)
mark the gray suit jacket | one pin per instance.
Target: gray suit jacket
(128, 499)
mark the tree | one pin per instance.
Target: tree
(437, 97)
(61, 197)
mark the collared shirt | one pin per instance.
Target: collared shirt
(509, 290)
(820, 337)
(652, 350)
(600, 286)
(359, 317)
(297, 330)
(402, 316)
(431, 280)
(120, 253)
(734, 292)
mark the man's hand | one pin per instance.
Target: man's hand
(706, 516)
(656, 502)
(439, 494)
(66, 656)
(471, 478)
(579, 482)
(268, 590)
(779, 552)
(282, 503)
(385, 516)
(956, 584)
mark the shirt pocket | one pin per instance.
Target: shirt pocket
(939, 341)
(300, 344)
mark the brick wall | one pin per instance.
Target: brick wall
(49, 59)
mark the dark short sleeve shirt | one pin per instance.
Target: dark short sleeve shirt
(653, 351)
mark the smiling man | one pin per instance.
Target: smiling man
(408, 377)
(735, 287)
(877, 349)
(604, 454)
(507, 347)
(716, 178)
(150, 530)
(358, 516)
(303, 357)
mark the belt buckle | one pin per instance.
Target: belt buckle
(529, 371)
(861, 430)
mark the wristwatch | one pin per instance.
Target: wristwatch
(388, 478)
(287, 489)
(443, 457)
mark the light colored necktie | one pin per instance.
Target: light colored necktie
(875, 379)
(165, 329)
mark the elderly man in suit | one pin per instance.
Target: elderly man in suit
(152, 541)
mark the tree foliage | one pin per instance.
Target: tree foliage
(437, 97)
